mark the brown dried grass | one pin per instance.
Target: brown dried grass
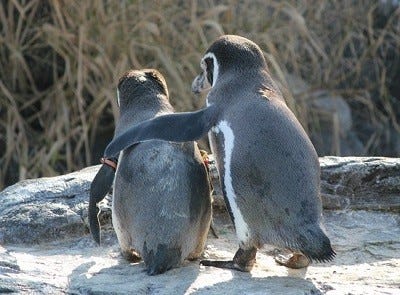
(60, 61)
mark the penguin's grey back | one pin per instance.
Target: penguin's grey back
(161, 204)
(163, 200)
(282, 179)
(274, 167)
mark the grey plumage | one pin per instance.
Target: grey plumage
(274, 167)
(268, 166)
(161, 201)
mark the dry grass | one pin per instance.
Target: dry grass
(60, 60)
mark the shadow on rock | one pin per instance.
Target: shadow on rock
(127, 278)
(245, 283)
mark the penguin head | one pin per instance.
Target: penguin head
(228, 55)
(137, 85)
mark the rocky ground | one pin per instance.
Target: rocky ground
(46, 247)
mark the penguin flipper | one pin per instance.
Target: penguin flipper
(100, 186)
(178, 127)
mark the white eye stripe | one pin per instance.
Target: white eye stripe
(118, 101)
(215, 64)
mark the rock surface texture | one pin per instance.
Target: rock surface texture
(46, 247)
(360, 183)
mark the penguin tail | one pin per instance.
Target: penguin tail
(316, 245)
(161, 260)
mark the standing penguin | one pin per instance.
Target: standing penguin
(268, 166)
(161, 207)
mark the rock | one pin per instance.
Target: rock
(334, 105)
(331, 124)
(367, 262)
(46, 247)
(297, 85)
(46, 209)
(335, 134)
(360, 183)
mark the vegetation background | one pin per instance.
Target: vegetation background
(60, 62)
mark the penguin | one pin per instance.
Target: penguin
(161, 208)
(268, 167)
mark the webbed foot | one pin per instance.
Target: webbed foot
(243, 260)
(292, 260)
(132, 256)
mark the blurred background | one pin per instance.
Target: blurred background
(337, 64)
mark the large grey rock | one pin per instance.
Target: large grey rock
(49, 209)
(360, 183)
(331, 130)
(334, 134)
(335, 106)
(46, 209)
(47, 248)
(367, 262)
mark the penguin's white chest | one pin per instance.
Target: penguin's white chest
(242, 230)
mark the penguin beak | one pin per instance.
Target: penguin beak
(200, 84)
(197, 84)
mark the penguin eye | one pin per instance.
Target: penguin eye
(209, 69)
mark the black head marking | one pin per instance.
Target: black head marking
(228, 54)
(156, 76)
(142, 78)
(235, 52)
(210, 69)
(135, 84)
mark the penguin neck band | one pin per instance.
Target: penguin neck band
(109, 162)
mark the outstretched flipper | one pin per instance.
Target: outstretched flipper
(179, 127)
(100, 186)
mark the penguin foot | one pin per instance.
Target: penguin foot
(292, 260)
(132, 256)
(243, 260)
(229, 264)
